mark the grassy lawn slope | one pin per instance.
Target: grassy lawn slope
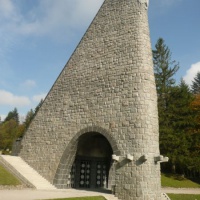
(184, 196)
(176, 181)
(7, 179)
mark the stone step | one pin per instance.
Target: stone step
(20, 168)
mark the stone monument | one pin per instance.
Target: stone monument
(98, 126)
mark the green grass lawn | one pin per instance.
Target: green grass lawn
(6, 178)
(82, 198)
(184, 196)
(176, 181)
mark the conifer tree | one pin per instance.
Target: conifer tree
(179, 104)
(13, 115)
(196, 84)
(29, 117)
(38, 106)
(174, 137)
(164, 70)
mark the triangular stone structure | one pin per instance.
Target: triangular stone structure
(98, 126)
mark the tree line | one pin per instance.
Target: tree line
(11, 128)
(179, 116)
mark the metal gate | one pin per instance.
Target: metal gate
(85, 174)
(89, 173)
(73, 175)
(101, 174)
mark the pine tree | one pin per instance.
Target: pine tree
(179, 113)
(174, 137)
(196, 84)
(38, 106)
(13, 115)
(164, 68)
(29, 117)
(179, 104)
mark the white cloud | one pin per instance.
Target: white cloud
(191, 73)
(7, 98)
(2, 117)
(61, 20)
(38, 98)
(49, 17)
(7, 8)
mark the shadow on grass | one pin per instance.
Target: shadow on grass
(177, 180)
(176, 177)
(180, 177)
(196, 180)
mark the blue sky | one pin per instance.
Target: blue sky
(37, 38)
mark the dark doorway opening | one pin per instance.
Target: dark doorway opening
(92, 162)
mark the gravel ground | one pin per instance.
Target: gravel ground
(181, 190)
(32, 194)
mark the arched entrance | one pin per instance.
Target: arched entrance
(92, 162)
(92, 144)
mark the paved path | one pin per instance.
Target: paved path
(31, 194)
(181, 190)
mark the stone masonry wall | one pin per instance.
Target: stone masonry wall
(108, 82)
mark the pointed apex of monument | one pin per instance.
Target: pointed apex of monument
(146, 2)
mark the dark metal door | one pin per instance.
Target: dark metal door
(101, 180)
(89, 173)
(85, 174)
